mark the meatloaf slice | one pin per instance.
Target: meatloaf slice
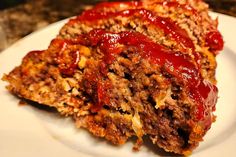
(122, 69)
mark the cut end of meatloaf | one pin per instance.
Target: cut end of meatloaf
(122, 69)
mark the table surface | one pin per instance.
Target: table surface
(21, 20)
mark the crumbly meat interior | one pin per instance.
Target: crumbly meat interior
(134, 96)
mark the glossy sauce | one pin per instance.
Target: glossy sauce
(176, 63)
(215, 41)
(169, 27)
(67, 59)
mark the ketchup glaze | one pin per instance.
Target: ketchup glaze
(169, 27)
(181, 66)
(67, 59)
(177, 64)
(215, 41)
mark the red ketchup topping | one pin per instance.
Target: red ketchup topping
(169, 27)
(102, 96)
(205, 94)
(215, 41)
(176, 63)
(67, 59)
(96, 88)
(179, 65)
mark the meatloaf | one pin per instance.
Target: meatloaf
(123, 69)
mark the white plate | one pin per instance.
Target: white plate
(27, 131)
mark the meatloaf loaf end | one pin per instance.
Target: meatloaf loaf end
(122, 69)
